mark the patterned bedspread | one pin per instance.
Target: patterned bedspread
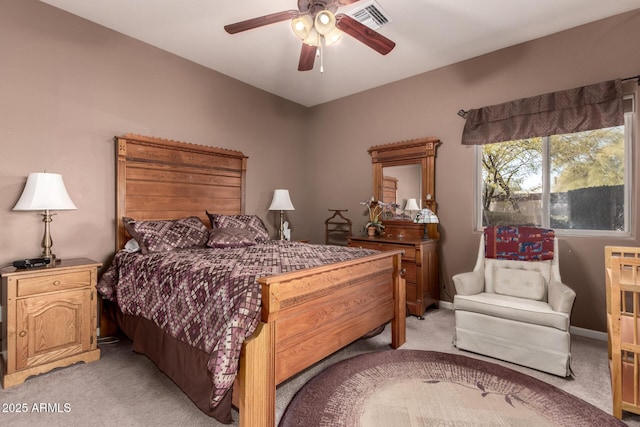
(209, 298)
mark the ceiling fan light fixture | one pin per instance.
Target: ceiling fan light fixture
(333, 37)
(302, 26)
(313, 39)
(325, 22)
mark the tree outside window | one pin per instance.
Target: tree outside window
(573, 181)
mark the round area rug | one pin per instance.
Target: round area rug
(426, 388)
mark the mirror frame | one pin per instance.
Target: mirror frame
(420, 151)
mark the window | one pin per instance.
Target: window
(577, 183)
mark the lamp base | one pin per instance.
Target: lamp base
(51, 257)
(47, 242)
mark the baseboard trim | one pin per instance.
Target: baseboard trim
(445, 304)
(581, 332)
(589, 333)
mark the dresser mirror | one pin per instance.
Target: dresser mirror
(401, 183)
(401, 171)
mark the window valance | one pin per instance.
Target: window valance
(575, 110)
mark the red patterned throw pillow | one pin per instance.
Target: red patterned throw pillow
(519, 243)
(166, 235)
(249, 222)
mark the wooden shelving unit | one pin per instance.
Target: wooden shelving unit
(622, 266)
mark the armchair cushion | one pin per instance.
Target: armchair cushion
(492, 265)
(520, 283)
(513, 308)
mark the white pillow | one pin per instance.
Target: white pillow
(132, 246)
(520, 283)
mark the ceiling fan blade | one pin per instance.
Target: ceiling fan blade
(307, 57)
(346, 2)
(261, 21)
(366, 35)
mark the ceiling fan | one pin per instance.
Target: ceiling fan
(317, 24)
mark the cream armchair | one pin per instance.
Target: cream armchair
(517, 311)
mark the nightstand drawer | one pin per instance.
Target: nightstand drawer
(53, 282)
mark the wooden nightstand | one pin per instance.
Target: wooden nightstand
(49, 318)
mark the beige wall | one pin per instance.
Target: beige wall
(426, 105)
(67, 86)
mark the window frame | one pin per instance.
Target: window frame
(546, 194)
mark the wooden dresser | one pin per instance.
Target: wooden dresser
(49, 318)
(412, 163)
(419, 262)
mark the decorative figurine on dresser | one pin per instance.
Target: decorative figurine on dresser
(410, 165)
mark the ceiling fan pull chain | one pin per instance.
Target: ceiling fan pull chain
(321, 53)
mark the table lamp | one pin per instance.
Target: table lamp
(281, 202)
(411, 206)
(45, 192)
(426, 216)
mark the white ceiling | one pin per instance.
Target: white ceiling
(428, 33)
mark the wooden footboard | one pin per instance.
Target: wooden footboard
(308, 315)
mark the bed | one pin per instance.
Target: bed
(304, 315)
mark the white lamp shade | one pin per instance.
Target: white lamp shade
(333, 37)
(411, 205)
(325, 22)
(302, 26)
(313, 38)
(44, 191)
(281, 201)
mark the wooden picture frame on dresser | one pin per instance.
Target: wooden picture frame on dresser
(49, 318)
(420, 262)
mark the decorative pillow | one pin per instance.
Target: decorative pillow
(132, 246)
(519, 243)
(520, 283)
(166, 235)
(230, 238)
(249, 222)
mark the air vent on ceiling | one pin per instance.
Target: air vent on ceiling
(370, 14)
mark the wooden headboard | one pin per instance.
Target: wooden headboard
(164, 179)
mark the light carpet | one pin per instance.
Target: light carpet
(126, 389)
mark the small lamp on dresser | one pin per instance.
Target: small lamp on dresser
(281, 202)
(411, 206)
(45, 192)
(426, 216)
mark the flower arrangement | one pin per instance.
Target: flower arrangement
(375, 207)
(391, 210)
